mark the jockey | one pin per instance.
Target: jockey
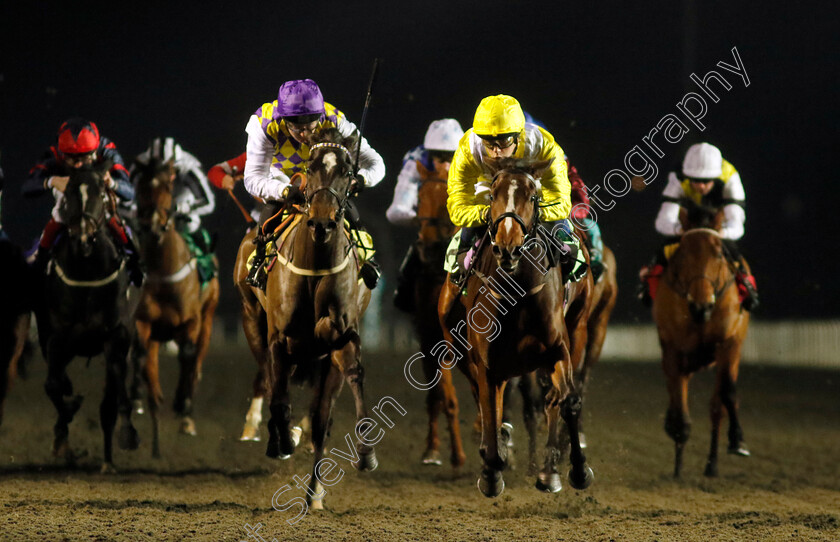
(426, 161)
(279, 136)
(709, 181)
(191, 194)
(225, 175)
(580, 214)
(500, 131)
(79, 144)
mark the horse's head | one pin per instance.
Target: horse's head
(436, 228)
(84, 204)
(700, 271)
(514, 214)
(329, 173)
(153, 193)
(695, 215)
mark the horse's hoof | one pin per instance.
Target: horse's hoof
(250, 433)
(432, 457)
(367, 462)
(296, 433)
(457, 460)
(740, 449)
(187, 427)
(128, 439)
(490, 483)
(549, 483)
(582, 439)
(137, 406)
(317, 504)
(581, 480)
(711, 471)
(507, 434)
(107, 468)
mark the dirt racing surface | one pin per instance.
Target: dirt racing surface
(211, 486)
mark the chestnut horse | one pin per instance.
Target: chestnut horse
(313, 306)
(517, 322)
(700, 323)
(85, 311)
(435, 231)
(16, 287)
(173, 303)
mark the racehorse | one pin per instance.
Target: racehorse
(700, 323)
(16, 287)
(85, 311)
(313, 305)
(517, 322)
(433, 236)
(173, 302)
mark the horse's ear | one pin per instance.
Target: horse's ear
(495, 165)
(538, 169)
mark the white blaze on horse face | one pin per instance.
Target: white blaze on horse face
(83, 190)
(330, 161)
(510, 201)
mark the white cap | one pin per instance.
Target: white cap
(443, 135)
(703, 161)
(165, 149)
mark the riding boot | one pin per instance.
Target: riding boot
(649, 277)
(460, 274)
(747, 290)
(255, 278)
(404, 294)
(370, 273)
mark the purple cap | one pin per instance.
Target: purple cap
(299, 97)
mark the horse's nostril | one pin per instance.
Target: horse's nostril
(331, 225)
(517, 251)
(497, 250)
(310, 223)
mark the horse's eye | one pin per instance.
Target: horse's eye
(491, 197)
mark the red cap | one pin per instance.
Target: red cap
(78, 136)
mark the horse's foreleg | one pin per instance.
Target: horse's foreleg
(321, 415)
(115, 399)
(152, 377)
(254, 325)
(450, 399)
(348, 358)
(434, 403)
(137, 355)
(205, 329)
(58, 386)
(188, 376)
(280, 442)
(527, 388)
(677, 421)
(725, 396)
(548, 479)
(492, 451)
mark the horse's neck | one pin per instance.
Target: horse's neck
(166, 254)
(527, 275)
(102, 260)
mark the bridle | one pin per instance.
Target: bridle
(529, 231)
(342, 199)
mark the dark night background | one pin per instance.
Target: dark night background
(598, 76)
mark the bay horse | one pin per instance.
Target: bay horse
(173, 303)
(517, 322)
(700, 323)
(84, 312)
(313, 306)
(16, 287)
(432, 239)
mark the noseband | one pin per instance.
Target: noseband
(342, 199)
(493, 226)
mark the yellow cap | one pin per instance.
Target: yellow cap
(498, 115)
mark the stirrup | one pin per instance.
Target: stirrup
(254, 278)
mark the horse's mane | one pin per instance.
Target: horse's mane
(152, 168)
